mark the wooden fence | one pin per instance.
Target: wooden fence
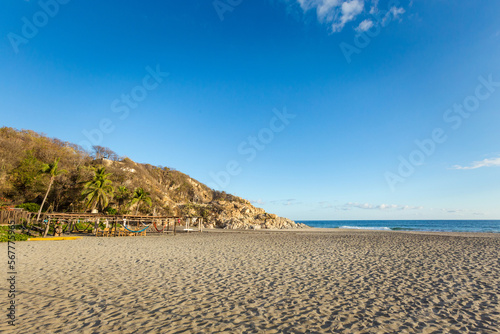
(16, 215)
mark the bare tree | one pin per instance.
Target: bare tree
(101, 152)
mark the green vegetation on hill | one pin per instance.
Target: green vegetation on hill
(52, 175)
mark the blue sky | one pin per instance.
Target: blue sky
(312, 109)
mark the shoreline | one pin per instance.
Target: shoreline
(347, 230)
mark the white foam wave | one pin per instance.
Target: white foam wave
(366, 228)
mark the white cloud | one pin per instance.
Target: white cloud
(495, 162)
(458, 212)
(286, 202)
(349, 10)
(364, 25)
(335, 12)
(325, 9)
(374, 8)
(338, 13)
(396, 12)
(259, 201)
(392, 14)
(368, 206)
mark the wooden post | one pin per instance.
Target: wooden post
(96, 225)
(70, 225)
(28, 224)
(47, 227)
(200, 225)
(175, 224)
(111, 231)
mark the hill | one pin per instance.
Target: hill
(26, 155)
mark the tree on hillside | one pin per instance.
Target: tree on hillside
(98, 190)
(122, 195)
(140, 196)
(101, 152)
(54, 171)
(26, 176)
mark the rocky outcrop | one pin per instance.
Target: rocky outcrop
(248, 223)
(241, 214)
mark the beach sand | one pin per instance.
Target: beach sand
(304, 281)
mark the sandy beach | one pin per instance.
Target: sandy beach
(304, 281)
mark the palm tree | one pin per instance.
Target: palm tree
(54, 171)
(98, 190)
(139, 196)
(122, 195)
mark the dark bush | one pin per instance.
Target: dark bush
(110, 211)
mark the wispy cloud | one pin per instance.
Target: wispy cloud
(349, 10)
(368, 206)
(289, 201)
(374, 8)
(453, 210)
(325, 205)
(258, 201)
(394, 13)
(495, 162)
(364, 25)
(458, 212)
(286, 202)
(337, 13)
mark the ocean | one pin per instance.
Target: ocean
(410, 225)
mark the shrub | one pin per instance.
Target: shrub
(4, 204)
(110, 211)
(4, 235)
(31, 207)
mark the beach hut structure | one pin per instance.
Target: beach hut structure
(98, 224)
